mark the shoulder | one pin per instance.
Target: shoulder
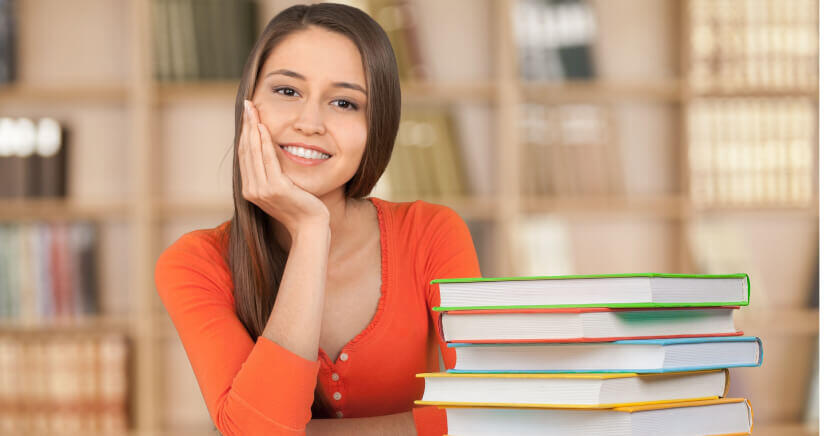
(421, 216)
(199, 252)
(423, 228)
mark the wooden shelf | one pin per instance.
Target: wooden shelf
(601, 91)
(813, 93)
(170, 209)
(667, 206)
(87, 324)
(31, 209)
(24, 93)
(808, 210)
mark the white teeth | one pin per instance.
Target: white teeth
(306, 153)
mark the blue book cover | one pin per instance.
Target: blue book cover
(657, 342)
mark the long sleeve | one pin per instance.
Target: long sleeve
(449, 253)
(250, 388)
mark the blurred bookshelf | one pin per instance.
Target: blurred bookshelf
(605, 153)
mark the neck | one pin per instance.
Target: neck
(342, 212)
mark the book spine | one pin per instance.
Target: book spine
(189, 43)
(174, 24)
(161, 41)
(8, 30)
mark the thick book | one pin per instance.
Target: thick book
(602, 290)
(596, 324)
(47, 175)
(570, 391)
(640, 356)
(725, 416)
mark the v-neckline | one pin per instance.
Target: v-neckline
(384, 280)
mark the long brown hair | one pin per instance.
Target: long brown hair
(255, 259)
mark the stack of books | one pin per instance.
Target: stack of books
(620, 354)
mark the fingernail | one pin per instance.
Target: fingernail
(248, 107)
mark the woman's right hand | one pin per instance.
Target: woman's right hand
(264, 183)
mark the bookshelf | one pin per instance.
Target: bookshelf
(147, 170)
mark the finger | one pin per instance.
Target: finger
(269, 154)
(257, 167)
(247, 157)
(244, 155)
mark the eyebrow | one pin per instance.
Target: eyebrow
(297, 75)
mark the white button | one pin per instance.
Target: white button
(344, 357)
(339, 414)
(335, 376)
(337, 396)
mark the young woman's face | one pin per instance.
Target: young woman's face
(311, 94)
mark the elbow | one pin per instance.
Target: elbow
(233, 416)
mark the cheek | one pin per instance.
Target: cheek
(353, 140)
(275, 116)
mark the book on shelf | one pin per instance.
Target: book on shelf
(600, 290)
(64, 383)
(569, 150)
(570, 391)
(752, 45)
(752, 151)
(554, 39)
(636, 355)
(49, 271)
(597, 324)
(33, 158)
(398, 20)
(187, 46)
(8, 41)
(541, 244)
(713, 417)
(426, 161)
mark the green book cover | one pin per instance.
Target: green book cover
(742, 276)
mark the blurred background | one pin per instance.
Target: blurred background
(574, 137)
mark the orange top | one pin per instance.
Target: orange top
(262, 388)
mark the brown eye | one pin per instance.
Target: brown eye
(346, 104)
(291, 91)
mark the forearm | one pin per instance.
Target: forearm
(296, 317)
(398, 424)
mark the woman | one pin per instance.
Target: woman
(314, 301)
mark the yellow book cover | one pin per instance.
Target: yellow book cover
(583, 376)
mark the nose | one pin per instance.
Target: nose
(309, 121)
